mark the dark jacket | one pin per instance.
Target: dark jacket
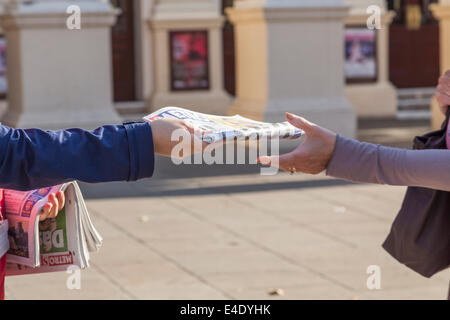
(35, 158)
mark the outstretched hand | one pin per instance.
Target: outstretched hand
(162, 131)
(312, 156)
(443, 92)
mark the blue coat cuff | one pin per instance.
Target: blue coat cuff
(142, 155)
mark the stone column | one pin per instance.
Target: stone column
(379, 98)
(441, 12)
(58, 77)
(290, 57)
(193, 15)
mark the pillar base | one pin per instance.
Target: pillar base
(211, 102)
(373, 100)
(276, 74)
(377, 99)
(72, 118)
(58, 77)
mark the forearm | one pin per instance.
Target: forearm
(35, 158)
(364, 162)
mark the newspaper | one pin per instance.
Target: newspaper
(54, 244)
(219, 128)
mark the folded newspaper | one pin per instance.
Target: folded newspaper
(219, 128)
(54, 244)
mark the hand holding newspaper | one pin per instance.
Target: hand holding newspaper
(220, 128)
(53, 244)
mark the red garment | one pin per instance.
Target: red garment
(2, 259)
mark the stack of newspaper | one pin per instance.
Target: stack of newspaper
(220, 128)
(50, 245)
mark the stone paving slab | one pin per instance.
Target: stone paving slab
(314, 241)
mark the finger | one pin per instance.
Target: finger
(285, 162)
(55, 208)
(272, 161)
(300, 123)
(444, 87)
(197, 131)
(61, 199)
(197, 145)
(205, 144)
(45, 211)
(444, 82)
(264, 160)
(190, 127)
(443, 99)
(197, 140)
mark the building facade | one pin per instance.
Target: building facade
(256, 58)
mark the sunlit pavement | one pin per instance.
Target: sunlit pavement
(314, 239)
(241, 236)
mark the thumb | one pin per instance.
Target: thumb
(300, 122)
(267, 160)
(283, 162)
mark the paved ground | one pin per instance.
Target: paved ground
(241, 236)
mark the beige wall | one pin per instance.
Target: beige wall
(290, 58)
(143, 51)
(144, 54)
(58, 77)
(377, 99)
(188, 15)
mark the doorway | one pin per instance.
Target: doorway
(229, 59)
(413, 44)
(123, 52)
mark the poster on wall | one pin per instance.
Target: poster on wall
(189, 60)
(360, 55)
(3, 83)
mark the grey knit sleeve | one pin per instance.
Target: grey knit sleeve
(365, 162)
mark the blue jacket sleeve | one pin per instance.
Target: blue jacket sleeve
(34, 158)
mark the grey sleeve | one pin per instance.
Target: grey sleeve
(365, 162)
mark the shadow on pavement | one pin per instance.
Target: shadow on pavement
(145, 189)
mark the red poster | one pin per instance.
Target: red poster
(189, 60)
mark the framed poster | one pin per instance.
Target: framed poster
(3, 69)
(361, 63)
(189, 65)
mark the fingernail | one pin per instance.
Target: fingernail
(289, 116)
(264, 161)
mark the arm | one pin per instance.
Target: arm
(35, 158)
(365, 162)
